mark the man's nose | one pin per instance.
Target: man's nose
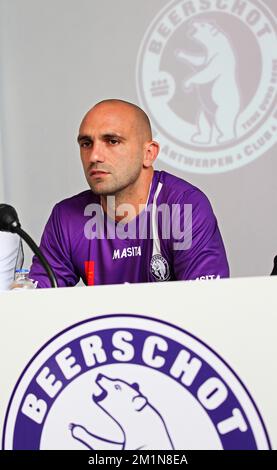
(97, 154)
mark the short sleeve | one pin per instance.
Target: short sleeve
(55, 247)
(203, 254)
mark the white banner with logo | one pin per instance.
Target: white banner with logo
(185, 365)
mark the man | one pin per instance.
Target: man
(171, 230)
(9, 249)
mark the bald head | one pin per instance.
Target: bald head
(133, 113)
(117, 150)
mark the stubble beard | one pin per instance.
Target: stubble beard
(114, 187)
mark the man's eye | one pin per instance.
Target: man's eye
(117, 387)
(113, 141)
(85, 144)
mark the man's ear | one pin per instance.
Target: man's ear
(139, 402)
(151, 151)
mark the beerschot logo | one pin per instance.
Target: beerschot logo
(130, 382)
(159, 268)
(207, 76)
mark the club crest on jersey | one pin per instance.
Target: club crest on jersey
(159, 268)
(121, 382)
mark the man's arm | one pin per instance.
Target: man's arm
(55, 245)
(206, 257)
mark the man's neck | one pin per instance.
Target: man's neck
(128, 203)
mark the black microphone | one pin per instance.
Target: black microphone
(8, 219)
(9, 222)
(274, 271)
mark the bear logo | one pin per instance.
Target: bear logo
(159, 268)
(141, 424)
(215, 76)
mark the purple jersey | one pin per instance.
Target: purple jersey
(175, 237)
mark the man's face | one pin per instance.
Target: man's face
(111, 147)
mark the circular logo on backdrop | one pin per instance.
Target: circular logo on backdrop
(130, 382)
(207, 75)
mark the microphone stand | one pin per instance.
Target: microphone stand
(9, 222)
(274, 271)
(30, 242)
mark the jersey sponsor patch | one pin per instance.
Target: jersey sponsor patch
(131, 251)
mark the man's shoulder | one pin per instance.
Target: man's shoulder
(71, 211)
(174, 189)
(77, 202)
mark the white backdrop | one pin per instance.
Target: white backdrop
(60, 57)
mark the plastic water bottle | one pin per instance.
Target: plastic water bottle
(22, 280)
